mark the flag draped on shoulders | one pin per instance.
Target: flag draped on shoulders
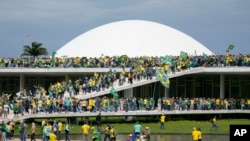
(163, 78)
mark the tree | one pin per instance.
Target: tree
(34, 50)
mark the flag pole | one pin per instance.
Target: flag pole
(154, 90)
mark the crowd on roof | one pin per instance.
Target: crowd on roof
(126, 61)
(53, 100)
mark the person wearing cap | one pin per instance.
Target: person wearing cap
(96, 136)
(162, 121)
(147, 134)
(130, 137)
(195, 134)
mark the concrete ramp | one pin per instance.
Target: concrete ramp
(126, 85)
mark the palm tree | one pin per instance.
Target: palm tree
(34, 50)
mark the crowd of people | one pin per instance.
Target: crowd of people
(29, 105)
(52, 100)
(124, 60)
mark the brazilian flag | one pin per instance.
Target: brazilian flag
(183, 55)
(163, 78)
(113, 92)
(166, 60)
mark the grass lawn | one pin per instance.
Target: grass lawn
(178, 126)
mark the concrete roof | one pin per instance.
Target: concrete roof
(132, 38)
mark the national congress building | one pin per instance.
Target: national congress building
(136, 38)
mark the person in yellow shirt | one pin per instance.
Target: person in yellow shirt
(199, 134)
(40, 105)
(52, 136)
(48, 105)
(60, 127)
(112, 133)
(85, 131)
(195, 134)
(214, 124)
(162, 121)
(12, 128)
(107, 132)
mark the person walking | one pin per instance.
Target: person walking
(22, 130)
(214, 124)
(46, 131)
(33, 132)
(112, 133)
(85, 131)
(107, 132)
(4, 131)
(137, 128)
(67, 130)
(162, 121)
(60, 128)
(96, 136)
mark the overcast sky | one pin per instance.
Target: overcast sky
(214, 23)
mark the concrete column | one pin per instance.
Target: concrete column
(222, 86)
(167, 93)
(66, 78)
(128, 93)
(22, 81)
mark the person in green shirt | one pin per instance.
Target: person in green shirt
(96, 136)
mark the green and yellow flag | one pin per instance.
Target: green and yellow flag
(183, 55)
(113, 92)
(166, 60)
(163, 78)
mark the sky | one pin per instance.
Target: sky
(214, 23)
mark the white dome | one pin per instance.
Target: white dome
(132, 38)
